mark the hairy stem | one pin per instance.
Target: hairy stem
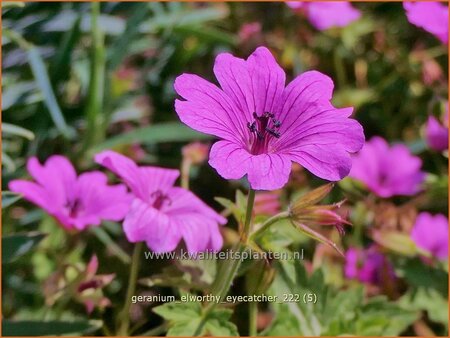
(227, 275)
(253, 316)
(125, 314)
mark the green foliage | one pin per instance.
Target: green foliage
(50, 328)
(163, 132)
(9, 198)
(184, 318)
(14, 246)
(334, 312)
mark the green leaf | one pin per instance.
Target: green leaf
(43, 82)
(185, 317)
(163, 132)
(95, 116)
(119, 49)
(421, 275)
(178, 311)
(335, 312)
(183, 17)
(218, 324)
(14, 246)
(62, 59)
(50, 328)
(9, 198)
(11, 129)
(429, 300)
(184, 328)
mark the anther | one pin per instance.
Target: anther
(273, 132)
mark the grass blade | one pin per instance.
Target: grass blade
(12, 129)
(43, 82)
(94, 112)
(162, 132)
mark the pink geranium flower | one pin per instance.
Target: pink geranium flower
(367, 265)
(76, 202)
(388, 171)
(161, 214)
(431, 234)
(324, 15)
(436, 134)
(264, 126)
(431, 16)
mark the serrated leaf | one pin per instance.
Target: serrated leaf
(178, 311)
(184, 328)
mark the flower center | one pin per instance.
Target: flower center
(73, 207)
(262, 129)
(160, 199)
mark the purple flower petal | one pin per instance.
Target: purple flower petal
(74, 202)
(161, 214)
(33, 192)
(431, 16)
(324, 15)
(229, 159)
(431, 234)
(110, 202)
(208, 109)
(57, 175)
(388, 171)
(436, 134)
(270, 126)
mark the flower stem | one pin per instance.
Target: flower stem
(185, 171)
(229, 272)
(253, 317)
(268, 223)
(125, 314)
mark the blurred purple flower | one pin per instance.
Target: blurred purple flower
(76, 202)
(324, 15)
(248, 30)
(431, 16)
(436, 134)
(367, 265)
(388, 171)
(264, 126)
(267, 203)
(431, 234)
(161, 214)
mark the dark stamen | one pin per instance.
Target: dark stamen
(160, 198)
(273, 132)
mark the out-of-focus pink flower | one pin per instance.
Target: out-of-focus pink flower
(248, 30)
(324, 15)
(436, 134)
(267, 203)
(431, 71)
(367, 265)
(265, 126)
(161, 214)
(76, 202)
(431, 16)
(196, 152)
(388, 171)
(431, 234)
